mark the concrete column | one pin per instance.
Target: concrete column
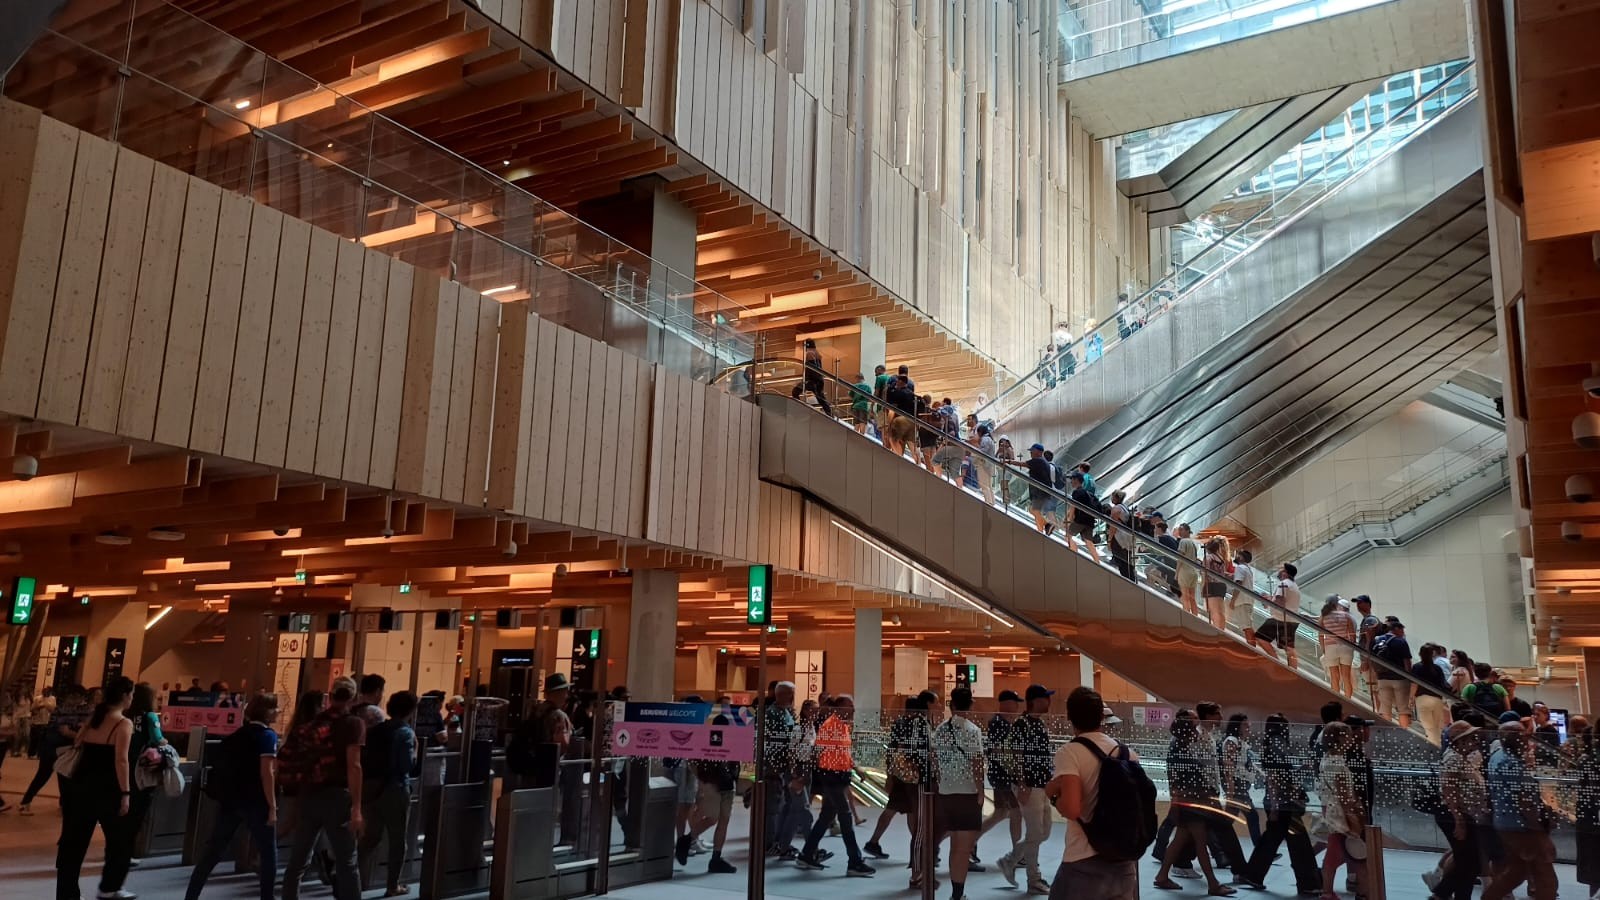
(868, 678)
(705, 670)
(1060, 671)
(653, 632)
(114, 620)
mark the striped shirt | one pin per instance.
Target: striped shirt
(1336, 624)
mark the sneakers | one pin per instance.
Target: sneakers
(1008, 869)
(696, 848)
(873, 850)
(859, 870)
(808, 862)
(720, 866)
(681, 854)
(1184, 872)
(977, 867)
(1039, 888)
(824, 855)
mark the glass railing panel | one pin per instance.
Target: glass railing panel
(306, 187)
(1112, 25)
(1287, 205)
(86, 100)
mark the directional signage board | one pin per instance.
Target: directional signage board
(23, 595)
(759, 596)
(116, 649)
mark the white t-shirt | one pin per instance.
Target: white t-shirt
(1288, 594)
(1076, 759)
(957, 743)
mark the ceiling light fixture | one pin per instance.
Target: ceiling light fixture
(499, 290)
(165, 533)
(112, 539)
(242, 104)
(165, 611)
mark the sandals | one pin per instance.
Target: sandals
(1167, 884)
(1221, 890)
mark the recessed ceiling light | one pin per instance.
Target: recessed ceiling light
(164, 533)
(499, 290)
(112, 539)
(242, 104)
(505, 162)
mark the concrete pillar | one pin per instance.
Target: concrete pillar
(868, 677)
(653, 635)
(705, 670)
(1060, 671)
(116, 635)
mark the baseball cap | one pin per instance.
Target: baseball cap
(1009, 694)
(1509, 716)
(1038, 447)
(1035, 691)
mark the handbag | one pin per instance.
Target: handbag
(1355, 847)
(66, 764)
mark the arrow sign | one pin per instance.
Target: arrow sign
(115, 649)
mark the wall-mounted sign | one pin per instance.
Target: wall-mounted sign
(23, 593)
(758, 596)
(116, 649)
(701, 731)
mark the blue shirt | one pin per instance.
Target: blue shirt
(403, 755)
(1510, 786)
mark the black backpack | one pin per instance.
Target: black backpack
(376, 753)
(1124, 823)
(1486, 698)
(235, 778)
(532, 753)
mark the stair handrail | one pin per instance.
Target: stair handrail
(1129, 318)
(792, 377)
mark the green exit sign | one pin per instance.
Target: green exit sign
(22, 600)
(405, 588)
(594, 643)
(300, 576)
(759, 596)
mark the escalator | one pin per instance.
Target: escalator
(1342, 309)
(995, 556)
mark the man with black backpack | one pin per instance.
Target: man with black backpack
(320, 765)
(1109, 804)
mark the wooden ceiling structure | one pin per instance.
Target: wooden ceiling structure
(1544, 119)
(109, 518)
(442, 69)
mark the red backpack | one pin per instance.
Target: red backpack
(308, 757)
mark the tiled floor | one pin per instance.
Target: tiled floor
(27, 867)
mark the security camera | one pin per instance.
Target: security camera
(1571, 531)
(1591, 386)
(561, 570)
(508, 551)
(1586, 430)
(389, 533)
(280, 531)
(24, 467)
(816, 274)
(1580, 488)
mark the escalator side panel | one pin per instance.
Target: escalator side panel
(1133, 631)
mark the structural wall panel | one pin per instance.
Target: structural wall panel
(403, 285)
(186, 325)
(342, 322)
(250, 345)
(283, 343)
(367, 359)
(215, 373)
(158, 269)
(311, 357)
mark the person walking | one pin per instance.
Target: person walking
(1219, 564)
(834, 767)
(861, 404)
(60, 731)
(44, 706)
(98, 791)
(1001, 779)
(320, 764)
(147, 737)
(907, 768)
(1241, 597)
(243, 783)
(1343, 819)
(787, 792)
(22, 724)
(389, 764)
(1521, 820)
(1083, 521)
(1429, 701)
(1240, 769)
(1120, 537)
(1286, 808)
(1192, 782)
(715, 783)
(1282, 621)
(1465, 812)
(1188, 569)
(811, 381)
(1040, 476)
(1085, 873)
(1029, 741)
(958, 800)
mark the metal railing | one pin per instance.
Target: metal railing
(1217, 256)
(1454, 468)
(1144, 561)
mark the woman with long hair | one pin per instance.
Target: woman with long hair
(1286, 809)
(1342, 817)
(1192, 782)
(97, 792)
(1338, 656)
(245, 777)
(1460, 671)
(1219, 562)
(147, 737)
(1239, 769)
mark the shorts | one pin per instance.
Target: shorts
(714, 802)
(1039, 505)
(1005, 798)
(927, 438)
(1242, 614)
(688, 784)
(860, 416)
(1338, 655)
(1084, 530)
(1277, 633)
(902, 796)
(1393, 694)
(958, 812)
(902, 430)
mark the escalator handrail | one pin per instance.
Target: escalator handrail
(1052, 360)
(852, 393)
